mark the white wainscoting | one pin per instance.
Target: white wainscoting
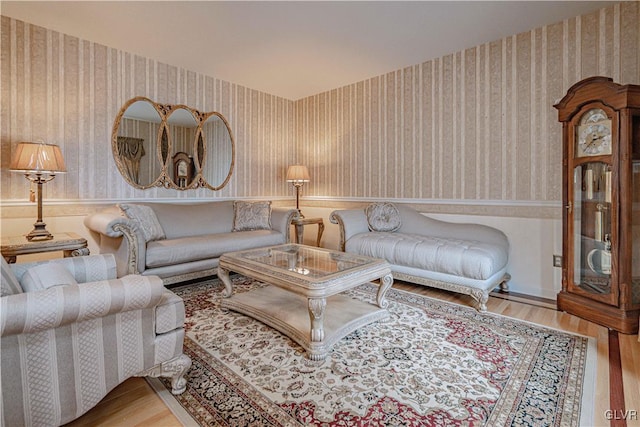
(533, 242)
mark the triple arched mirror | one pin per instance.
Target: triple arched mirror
(173, 146)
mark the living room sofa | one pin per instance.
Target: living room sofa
(470, 259)
(71, 332)
(181, 242)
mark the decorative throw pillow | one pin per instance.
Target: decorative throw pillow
(10, 284)
(146, 219)
(383, 217)
(251, 216)
(45, 276)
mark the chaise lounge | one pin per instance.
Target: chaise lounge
(470, 259)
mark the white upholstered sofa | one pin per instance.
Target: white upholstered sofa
(180, 242)
(467, 258)
(66, 346)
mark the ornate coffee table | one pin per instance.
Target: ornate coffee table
(303, 299)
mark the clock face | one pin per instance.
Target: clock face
(593, 135)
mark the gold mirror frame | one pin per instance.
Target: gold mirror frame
(206, 149)
(163, 150)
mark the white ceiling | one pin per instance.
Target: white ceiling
(293, 49)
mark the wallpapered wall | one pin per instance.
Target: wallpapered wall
(477, 125)
(68, 91)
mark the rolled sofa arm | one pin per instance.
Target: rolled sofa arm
(121, 237)
(351, 222)
(104, 222)
(281, 220)
(30, 312)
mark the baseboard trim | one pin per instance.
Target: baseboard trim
(526, 299)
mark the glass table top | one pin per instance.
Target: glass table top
(306, 260)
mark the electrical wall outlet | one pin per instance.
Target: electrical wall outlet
(557, 260)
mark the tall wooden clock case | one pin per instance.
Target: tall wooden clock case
(601, 195)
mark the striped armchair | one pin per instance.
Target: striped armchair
(64, 348)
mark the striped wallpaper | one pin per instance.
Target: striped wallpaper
(68, 91)
(476, 125)
(473, 128)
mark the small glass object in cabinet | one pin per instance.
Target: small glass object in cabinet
(601, 195)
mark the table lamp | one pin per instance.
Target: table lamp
(298, 175)
(39, 162)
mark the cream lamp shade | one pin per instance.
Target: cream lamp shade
(298, 173)
(34, 157)
(39, 162)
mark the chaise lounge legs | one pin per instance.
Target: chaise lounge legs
(479, 295)
(504, 285)
(482, 297)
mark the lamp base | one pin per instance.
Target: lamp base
(298, 185)
(39, 232)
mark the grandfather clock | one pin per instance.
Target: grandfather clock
(601, 196)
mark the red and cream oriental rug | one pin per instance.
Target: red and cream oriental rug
(433, 364)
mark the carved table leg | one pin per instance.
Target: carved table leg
(316, 314)
(228, 286)
(385, 284)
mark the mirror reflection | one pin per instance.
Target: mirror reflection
(182, 136)
(172, 146)
(218, 151)
(136, 144)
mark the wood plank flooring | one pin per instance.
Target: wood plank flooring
(134, 403)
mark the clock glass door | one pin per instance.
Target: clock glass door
(635, 212)
(592, 231)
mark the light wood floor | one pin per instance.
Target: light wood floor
(134, 403)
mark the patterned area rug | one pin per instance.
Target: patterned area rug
(433, 364)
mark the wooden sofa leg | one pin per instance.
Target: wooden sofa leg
(174, 368)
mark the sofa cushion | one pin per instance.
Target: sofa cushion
(169, 313)
(187, 249)
(466, 258)
(383, 217)
(146, 219)
(10, 284)
(44, 276)
(251, 216)
(197, 219)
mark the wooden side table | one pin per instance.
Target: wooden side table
(301, 222)
(70, 244)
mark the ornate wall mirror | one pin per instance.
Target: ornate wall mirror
(182, 128)
(215, 147)
(135, 143)
(173, 146)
